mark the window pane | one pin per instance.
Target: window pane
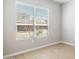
(21, 32)
(24, 31)
(24, 14)
(24, 21)
(41, 31)
(41, 16)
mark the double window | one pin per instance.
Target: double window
(31, 21)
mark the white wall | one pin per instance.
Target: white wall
(68, 22)
(11, 45)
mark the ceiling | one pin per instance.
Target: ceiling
(61, 1)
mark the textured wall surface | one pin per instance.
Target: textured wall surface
(68, 21)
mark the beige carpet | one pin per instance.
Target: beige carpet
(59, 51)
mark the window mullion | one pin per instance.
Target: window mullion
(34, 22)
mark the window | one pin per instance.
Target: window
(31, 21)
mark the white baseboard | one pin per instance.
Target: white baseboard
(29, 50)
(33, 49)
(68, 43)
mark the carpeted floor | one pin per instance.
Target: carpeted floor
(59, 51)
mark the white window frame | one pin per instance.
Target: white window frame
(34, 24)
